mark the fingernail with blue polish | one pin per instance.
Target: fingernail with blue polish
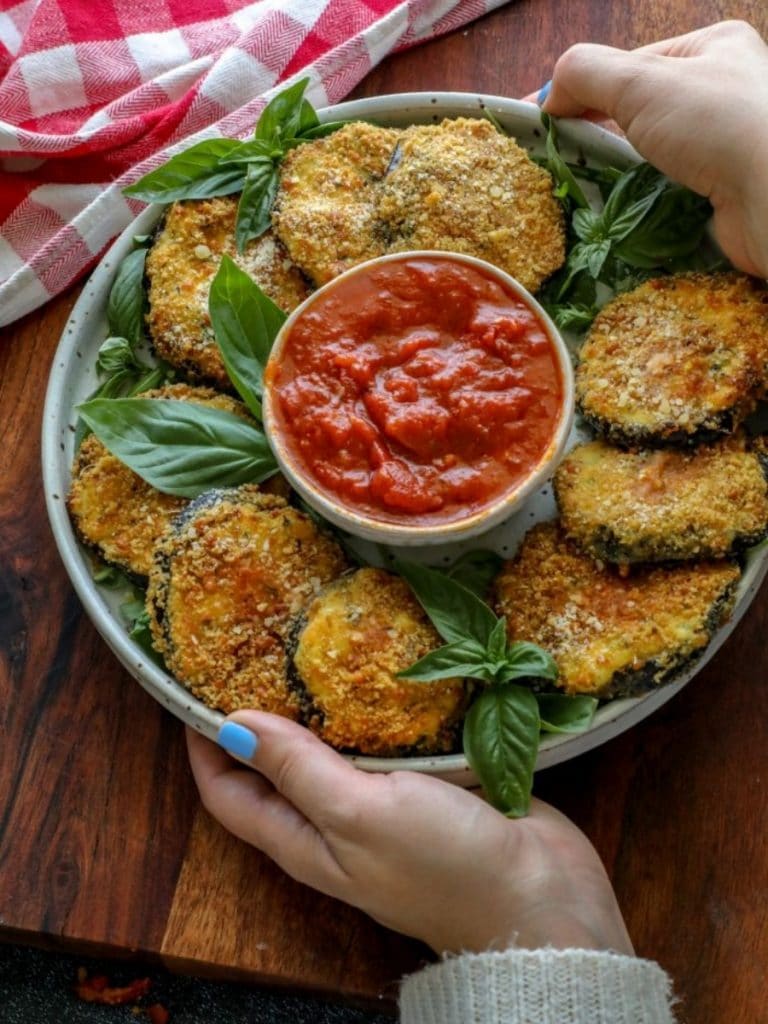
(237, 740)
(543, 93)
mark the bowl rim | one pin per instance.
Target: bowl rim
(481, 520)
(57, 432)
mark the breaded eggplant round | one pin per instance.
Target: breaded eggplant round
(348, 646)
(463, 186)
(611, 635)
(117, 513)
(228, 579)
(663, 504)
(324, 212)
(180, 267)
(681, 359)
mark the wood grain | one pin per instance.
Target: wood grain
(103, 843)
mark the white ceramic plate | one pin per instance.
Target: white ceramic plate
(73, 378)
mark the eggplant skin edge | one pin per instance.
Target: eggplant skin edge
(655, 673)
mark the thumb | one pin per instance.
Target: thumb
(315, 779)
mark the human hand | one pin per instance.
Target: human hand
(417, 854)
(695, 107)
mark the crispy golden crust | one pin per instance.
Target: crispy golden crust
(325, 208)
(611, 635)
(680, 358)
(226, 584)
(180, 267)
(463, 186)
(117, 513)
(654, 506)
(355, 636)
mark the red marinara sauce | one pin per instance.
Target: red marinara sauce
(417, 390)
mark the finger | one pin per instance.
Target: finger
(595, 116)
(320, 783)
(723, 34)
(247, 805)
(591, 77)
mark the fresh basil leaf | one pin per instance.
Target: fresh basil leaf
(253, 151)
(475, 570)
(568, 189)
(501, 740)
(308, 119)
(671, 233)
(573, 316)
(137, 619)
(197, 173)
(575, 266)
(116, 354)
(525, 660)
(108, 576)
(134, 607)
(587, 225)
(153, 377)
(463, 658)
(634, 184)
(179, 447)
(318, 132)
(596, 254)
(125, 308)
(560, 713)
(497, 641)
(604, 177)
(281, 119)
(243, 321)
(254, 211)
(490, 116)
(455, 612)
(630, 217)
(141, 634)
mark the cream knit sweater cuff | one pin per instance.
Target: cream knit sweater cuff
(542, 986)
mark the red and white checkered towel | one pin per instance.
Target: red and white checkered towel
(95, 93)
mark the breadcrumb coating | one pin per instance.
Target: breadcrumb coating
(610, 634)
(117, 513)
(325, 210)
(681, 358)
(464, 187)
(180, 267)
(227, 582)
(653, 506)
(353, 639)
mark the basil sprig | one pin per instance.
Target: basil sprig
(179, 447)
(502, 727)
(221, 167)
(117, 362)
(245, 323)
(646, 225)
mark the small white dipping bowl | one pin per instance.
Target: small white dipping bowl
(403, 532)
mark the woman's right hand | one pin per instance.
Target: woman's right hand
(696, 107)
(419, 855)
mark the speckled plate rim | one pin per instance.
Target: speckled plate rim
(72, 377)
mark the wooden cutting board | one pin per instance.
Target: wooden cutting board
(103, 844)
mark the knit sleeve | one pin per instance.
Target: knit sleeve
(542, 986)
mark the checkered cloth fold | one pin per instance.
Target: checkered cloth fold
(95, 93)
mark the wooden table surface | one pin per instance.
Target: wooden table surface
(103, 843)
